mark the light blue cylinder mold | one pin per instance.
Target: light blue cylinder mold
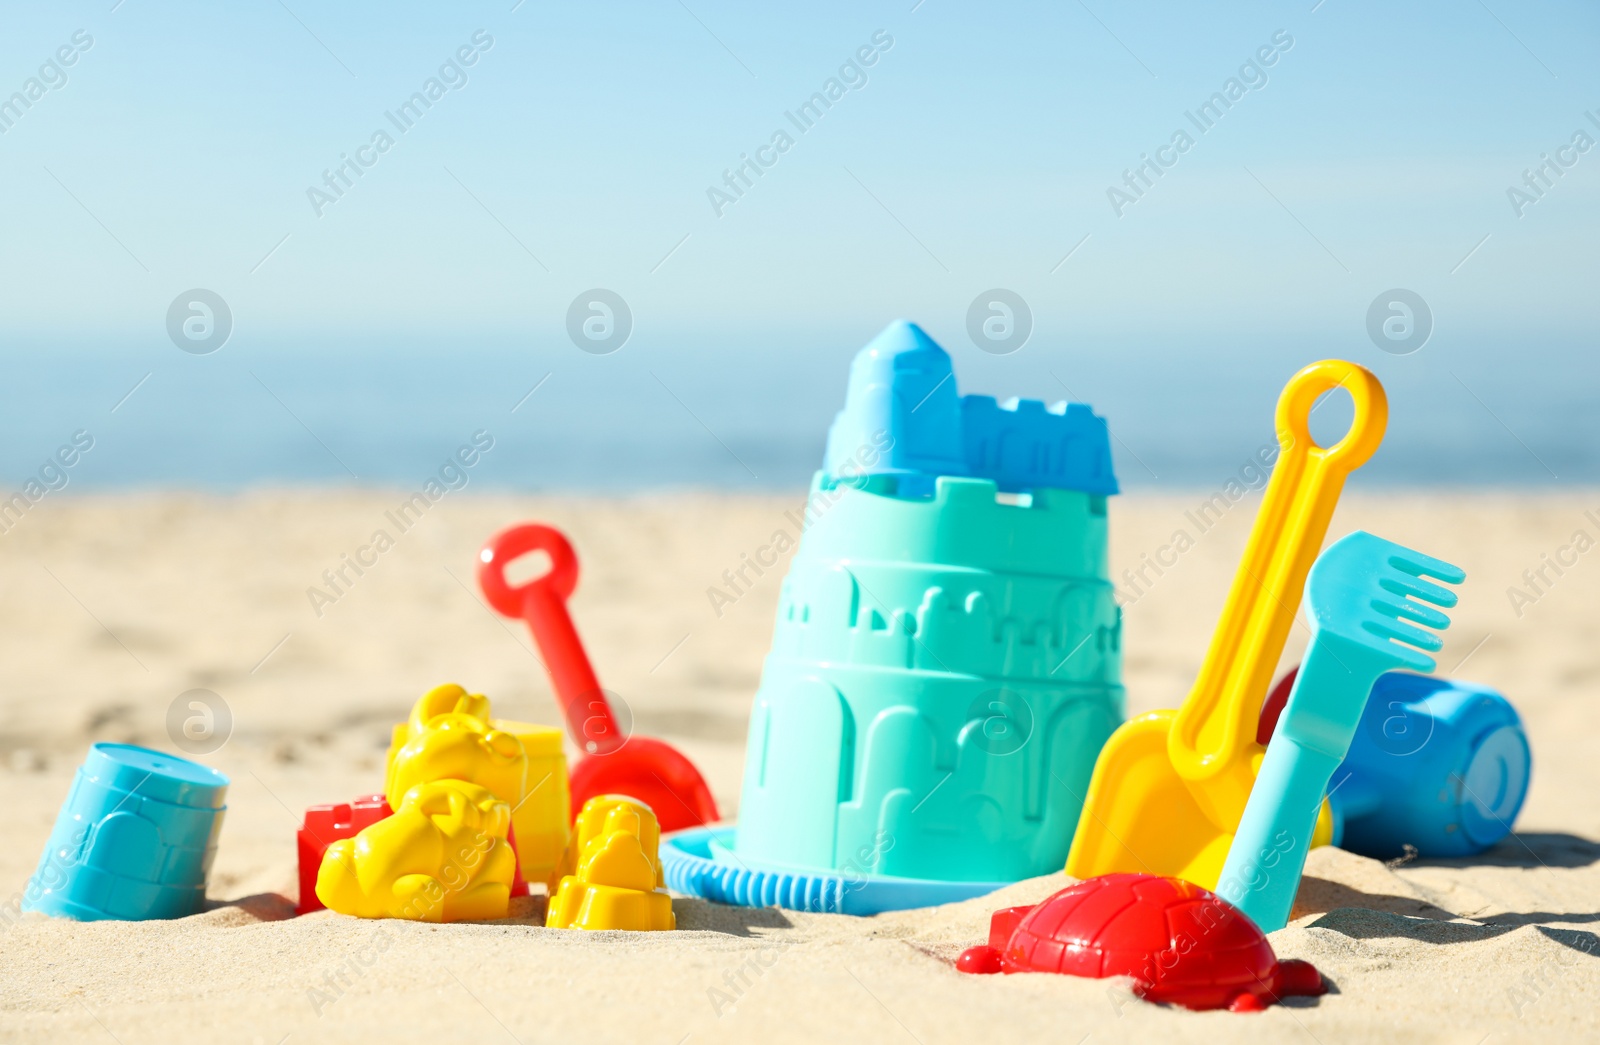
(946, 663)
(134, 839)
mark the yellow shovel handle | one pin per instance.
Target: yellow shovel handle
(1212, 741)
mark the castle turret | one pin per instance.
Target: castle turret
(900, 383)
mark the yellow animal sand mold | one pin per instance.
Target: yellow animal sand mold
(442, 857)
(450, 736)
(1170, 786)
(611, 875)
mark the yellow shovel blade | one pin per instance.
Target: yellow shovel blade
(1117, 832)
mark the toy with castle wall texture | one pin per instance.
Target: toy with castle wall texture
(947, 657)
(134, 839)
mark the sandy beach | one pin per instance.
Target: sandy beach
(115, 605)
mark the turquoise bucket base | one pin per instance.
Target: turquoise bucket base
(701, 862)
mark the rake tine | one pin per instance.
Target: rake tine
(1404, 609)
(1406, 633)
(1420, 565)
(1404, 585)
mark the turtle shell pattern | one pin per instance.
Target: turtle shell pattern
(1180, 943)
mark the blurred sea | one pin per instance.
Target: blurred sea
(732, 416)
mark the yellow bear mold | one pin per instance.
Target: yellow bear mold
(612, 876)
(451, 736)
(442, 857)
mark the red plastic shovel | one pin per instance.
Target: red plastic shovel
(652, 771)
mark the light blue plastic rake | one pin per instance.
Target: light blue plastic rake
(1365, 597)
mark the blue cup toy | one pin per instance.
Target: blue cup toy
(134, 839)
(1439, 765)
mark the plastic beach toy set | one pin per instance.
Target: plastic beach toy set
(941, 713)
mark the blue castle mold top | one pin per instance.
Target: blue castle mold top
(903, 393)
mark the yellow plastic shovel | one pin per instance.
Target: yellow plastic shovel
(1170, 786)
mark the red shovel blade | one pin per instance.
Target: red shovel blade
(655, 773)
(649, 770)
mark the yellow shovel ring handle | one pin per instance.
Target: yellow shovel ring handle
(1300, 395)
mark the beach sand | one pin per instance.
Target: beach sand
(115, 605)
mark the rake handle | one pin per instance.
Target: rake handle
(1268, 856)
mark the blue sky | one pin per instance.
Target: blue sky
(977, 154)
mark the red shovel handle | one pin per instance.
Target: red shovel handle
(542, 602)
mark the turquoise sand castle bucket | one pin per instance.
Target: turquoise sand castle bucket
(946, 663)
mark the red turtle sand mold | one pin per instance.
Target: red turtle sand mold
(1179, 942)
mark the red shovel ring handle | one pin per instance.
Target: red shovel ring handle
(514, 542)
